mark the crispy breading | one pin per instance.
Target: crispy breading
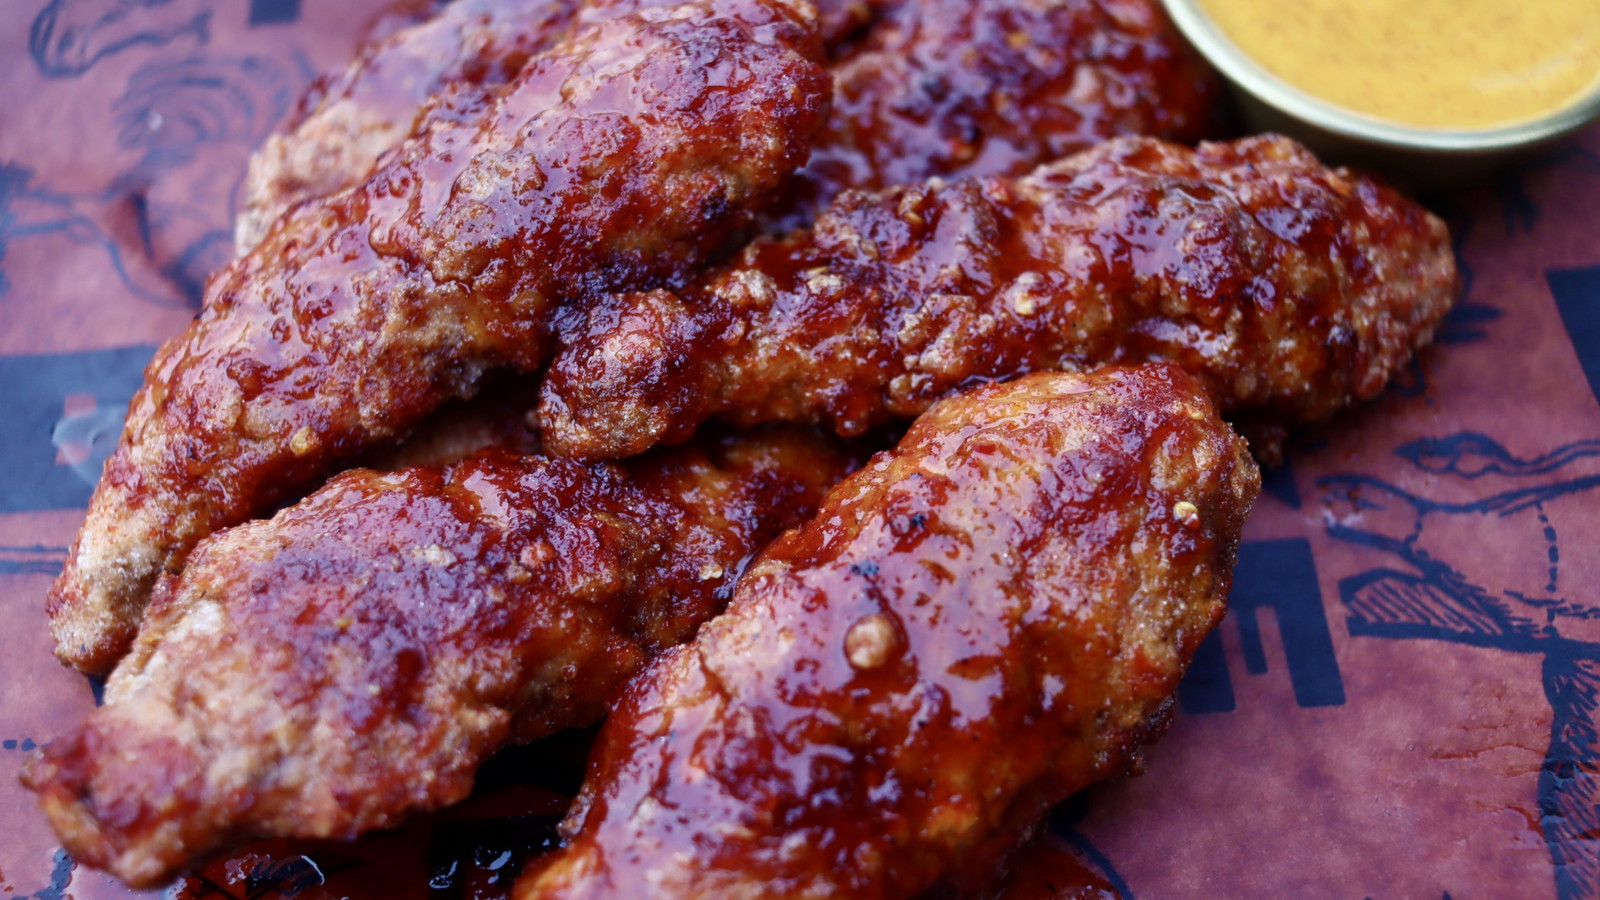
(347, 119)
(976, 625)
(1290, 289)
(623, 156)
(407, 80)
(355, 658)
(934, 87)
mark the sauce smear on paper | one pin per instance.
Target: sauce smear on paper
(1449, 64)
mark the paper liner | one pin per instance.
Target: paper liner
(1402, 702)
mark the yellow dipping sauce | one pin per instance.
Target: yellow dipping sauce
(1455, 64)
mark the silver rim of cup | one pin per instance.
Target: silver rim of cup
(1254, 79)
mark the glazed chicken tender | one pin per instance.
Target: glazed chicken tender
(982, 621)
(349, 118)
(355, 658)
(933, 87)
(1290, 290)
(957, 88)
(414, 78)
(625, 155)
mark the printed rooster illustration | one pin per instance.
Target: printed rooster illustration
(70, 36)
(1536, 512)
(164, 222)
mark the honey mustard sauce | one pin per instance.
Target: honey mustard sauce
(1447, 64)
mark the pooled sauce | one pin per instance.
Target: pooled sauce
(1449, 64)
(1049, 868)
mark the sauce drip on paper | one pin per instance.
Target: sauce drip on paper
(1045, 869)
(476, 850)
(1049, 868)
(1448, 64)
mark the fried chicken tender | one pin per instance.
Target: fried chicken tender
(355, 658)
(936, 87)
(1291, 290)
(961, 89)
(414, 78)
(349, 118)
(625, 155)
(982, 621)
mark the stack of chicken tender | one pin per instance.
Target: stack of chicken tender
(882, 358)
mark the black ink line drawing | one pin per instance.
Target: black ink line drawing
(273, 12)
(1466, 323)
(1279, 575)
(1448, 588)
(1577, 296)
(1278, 483)
(1469, 320)
(1063, 823)
(1522, 211)
(1462, 220)
(29, 210)
(60, 879)
(33, 560)
(181, 115)
(1096, 861)
(164, 224)
(1472, 454)
(69, 36)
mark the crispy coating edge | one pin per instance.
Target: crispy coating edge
(347, 119)
(1290, 289)
(354, 659)
(625, 155)
(980, 622)
(959, 89)
(933, 87)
